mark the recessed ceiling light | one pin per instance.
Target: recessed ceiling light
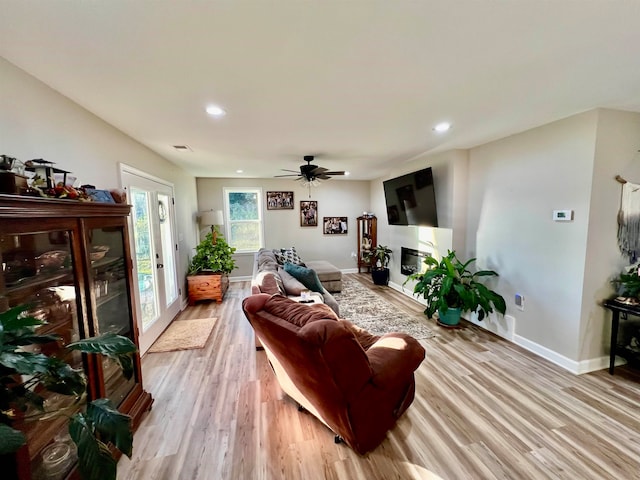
(442, 127)
(239, 171)
(216, 111)
(347, 173)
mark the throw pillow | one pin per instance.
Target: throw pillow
(291, 285)
(306, 276)
(288, 255)
(270, 282)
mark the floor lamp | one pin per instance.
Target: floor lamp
(212, 218)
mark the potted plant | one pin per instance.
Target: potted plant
(450, 289)
(379, 257)
(208, 273)
(628, 285)
(28, 379)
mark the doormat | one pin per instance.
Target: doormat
(184, 335)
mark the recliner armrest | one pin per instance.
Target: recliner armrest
(394, 358)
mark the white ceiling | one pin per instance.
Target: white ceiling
(358, 83)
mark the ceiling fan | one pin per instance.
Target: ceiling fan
(310, 174)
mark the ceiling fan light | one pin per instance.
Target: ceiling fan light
(310, 182)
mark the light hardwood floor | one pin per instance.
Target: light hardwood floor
(484, 409)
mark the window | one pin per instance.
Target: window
(244, 218)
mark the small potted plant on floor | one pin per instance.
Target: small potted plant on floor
(451, 289)
(379, 258)
(208, 274)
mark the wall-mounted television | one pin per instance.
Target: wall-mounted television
(411, 199)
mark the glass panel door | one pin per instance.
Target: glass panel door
(167, 246)
(144, 257)
(155, 250)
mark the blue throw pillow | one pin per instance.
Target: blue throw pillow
(306, 276)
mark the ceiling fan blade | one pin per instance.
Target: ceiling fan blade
(322, 176)
(288, 175)
(334, 173)
(287, 170)
(318, 170)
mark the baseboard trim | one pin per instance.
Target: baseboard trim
(578, 368)
(244, 278)
(584, 366)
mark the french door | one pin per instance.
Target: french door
(155, 250)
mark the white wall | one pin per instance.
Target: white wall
(335, 197)
(514, 186)
(616, 153)
(38, 122)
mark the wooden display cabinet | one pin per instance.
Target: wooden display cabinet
(367, 239)
(70, 261)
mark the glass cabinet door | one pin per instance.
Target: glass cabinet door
(109, 293)
(38, 271)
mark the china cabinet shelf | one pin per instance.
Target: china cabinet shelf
(80, 299)
(39, 281)
(367, 239)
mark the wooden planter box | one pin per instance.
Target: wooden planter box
(211, 286)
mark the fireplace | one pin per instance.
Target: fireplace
(412, 260)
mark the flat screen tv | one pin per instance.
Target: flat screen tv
(411, 199)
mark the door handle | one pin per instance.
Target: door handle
(159, 265)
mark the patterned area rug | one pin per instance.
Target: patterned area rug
(184, 335)
(370, 311)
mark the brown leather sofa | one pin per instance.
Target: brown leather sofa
(356, 383)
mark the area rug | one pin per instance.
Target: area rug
(370, 311)
(184, 335)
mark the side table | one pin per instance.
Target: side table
(618, 308)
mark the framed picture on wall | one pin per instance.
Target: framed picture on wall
(280, 201)
(334, 225)
(309, 213)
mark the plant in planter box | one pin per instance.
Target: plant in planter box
(213, 256)
(209, 268)
(379, 257)
(28, 378)
(450, 289)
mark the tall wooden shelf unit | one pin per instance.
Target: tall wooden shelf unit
(50, 261)
(367, 239)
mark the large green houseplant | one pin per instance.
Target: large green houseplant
(213, 255)
(27, 378)
(450, 289)
(379, 258)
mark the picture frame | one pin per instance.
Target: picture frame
(103, 196)
(335, 225)
(308, 213)
(280, 201)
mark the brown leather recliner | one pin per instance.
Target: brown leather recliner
(355, 383)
